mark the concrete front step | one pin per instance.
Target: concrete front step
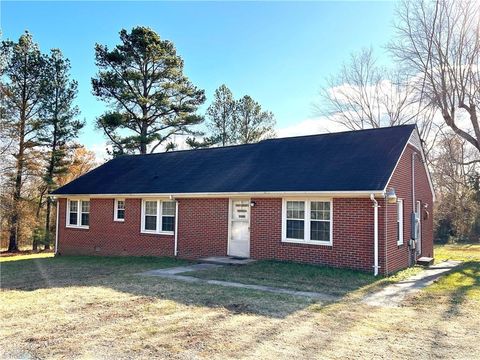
(425, 261)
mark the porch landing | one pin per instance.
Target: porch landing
(226, 260)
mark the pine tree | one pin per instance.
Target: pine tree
(221, 116)
(142, 79)
(22, 72)
(62, 126)
(253, 124)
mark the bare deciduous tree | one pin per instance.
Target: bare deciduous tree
(365, 95)
(457, 207)
(439, 45)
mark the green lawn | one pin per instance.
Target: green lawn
(465, 281)
(466, 252)
(300, 277)
(94, 307)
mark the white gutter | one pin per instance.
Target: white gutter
(175, 251)
(375, 234)
(358, 193)
(56, 230)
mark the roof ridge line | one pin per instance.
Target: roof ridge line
(272, 139)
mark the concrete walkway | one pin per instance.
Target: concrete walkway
(173, 273)
(393, 295)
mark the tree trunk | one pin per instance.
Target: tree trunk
(12, 244)
(47, 223)
(50, 171)
(15, 219)
(143, 133)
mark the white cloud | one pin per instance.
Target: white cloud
(100, 150)
(318, 125)
(101, 154)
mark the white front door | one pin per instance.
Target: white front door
(418, 210)
(239, 242)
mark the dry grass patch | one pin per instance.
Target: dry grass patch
(98, 308)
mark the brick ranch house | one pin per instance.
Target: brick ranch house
(355, 199)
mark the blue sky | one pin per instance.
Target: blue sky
(277, 52)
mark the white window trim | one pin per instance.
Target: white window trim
(115, 210)
(79, 214)
(159, 218)
(306, 222)
(401, 221)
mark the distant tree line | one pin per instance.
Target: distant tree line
(39, 123)
(150, 101)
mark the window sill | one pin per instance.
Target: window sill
(119, 220)
(294, 241)
(147, 232)
(83, 227)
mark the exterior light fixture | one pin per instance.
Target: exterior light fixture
(391, 196)
(253, 203)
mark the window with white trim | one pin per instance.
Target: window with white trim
(295, 219)
(78, 213)
(320, 221)
(399, 222)
(119, 211)
(307, 221)
(168, 215)
(158, 216)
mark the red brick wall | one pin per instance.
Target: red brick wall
(202, 227)
(352, 235)
(203, 231)
(397, 257)
(108, 237)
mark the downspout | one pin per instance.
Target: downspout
(413, 250)
(175, 251)
(56, 229)
(375, 234)
(413, 181)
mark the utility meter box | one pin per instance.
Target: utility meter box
(414, 225)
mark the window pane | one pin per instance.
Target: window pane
(73, 205)
(120, 214)
(121, 205)
(85, 219)
(168, 223)
(320, 210)
(400, 222)
(151, 208)
(73, 218)
(85, 206)
(168, 208)
(295, 229)
(150, 222)
(320, 230)
(295, 209)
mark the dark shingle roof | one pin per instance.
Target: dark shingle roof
(345, 161)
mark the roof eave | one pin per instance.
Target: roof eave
(352, 193)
